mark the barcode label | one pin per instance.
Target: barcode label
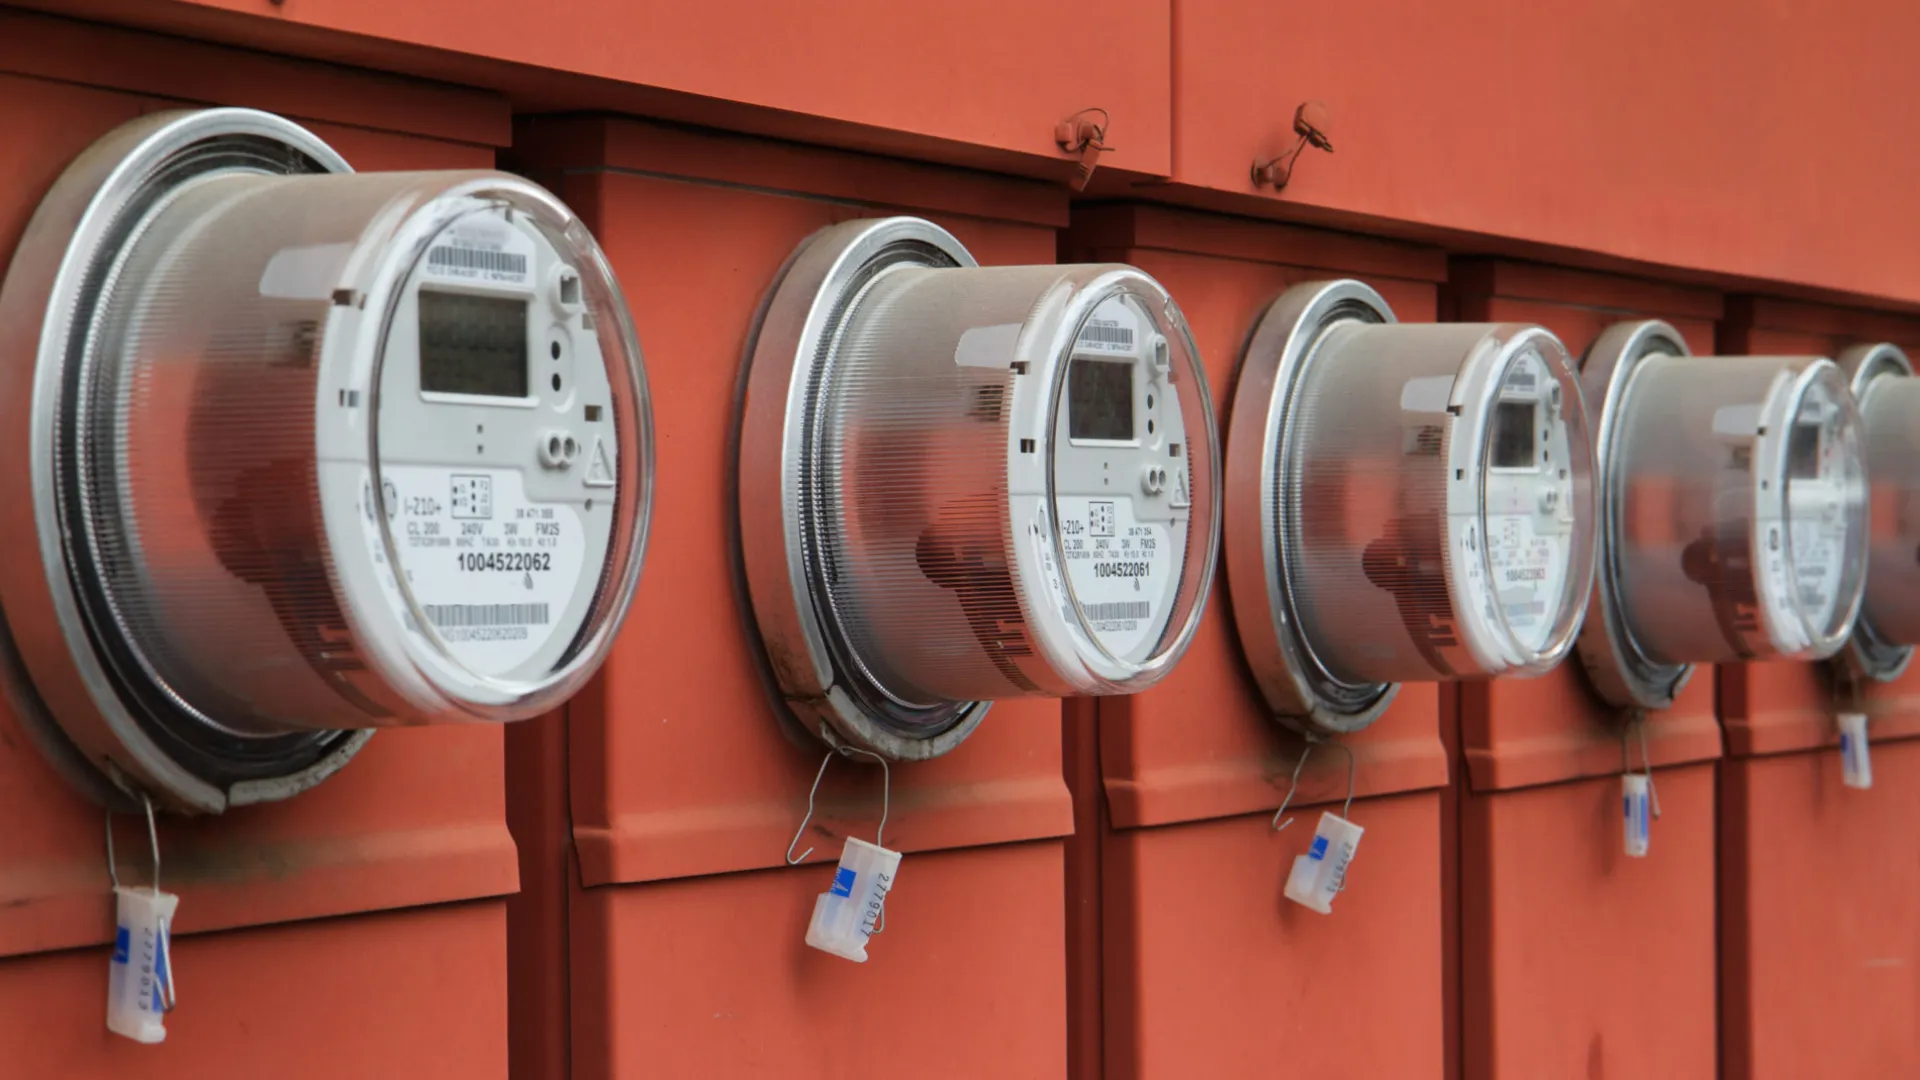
(456, 616)
(1118, 609)
(1106, 333)
(466, 258)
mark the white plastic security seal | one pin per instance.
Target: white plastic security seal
(1856, 756)
(1636, 809)
(140, 978)
(1320, 874)
(845, 915)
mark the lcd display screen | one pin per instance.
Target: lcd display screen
(1514, 435)
(1100, 400)
(473, 344)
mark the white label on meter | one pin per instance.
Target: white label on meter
(1529, 572)
(1121, 569)
(493, 571)
(1114, 329)
(481, 249)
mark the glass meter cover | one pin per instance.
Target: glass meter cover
(1404, 503)
(959, 484)
(1733, 511)
(307, 452)
(1889, 624)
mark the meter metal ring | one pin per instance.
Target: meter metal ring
(220, 608)
(822, 678)
(958, 484)
(69, 250)
(1296, 684)
(1616, 664)
(1868, 654)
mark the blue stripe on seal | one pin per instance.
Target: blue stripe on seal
(843, 882)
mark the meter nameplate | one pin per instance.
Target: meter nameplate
(1113, 329)
(1121, 569)
(494, 571)
(480, 250)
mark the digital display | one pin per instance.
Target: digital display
(473, 344)
(1514, 435)
(1100, 400)
(1803, 451)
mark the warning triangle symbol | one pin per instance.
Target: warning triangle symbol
(1181, 500)
(599, 465)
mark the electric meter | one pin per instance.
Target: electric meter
(1403, 503)
(958, 484)
(1889, 623)
(306, 453)
(1732, 511)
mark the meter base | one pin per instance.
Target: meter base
(1615, 665)
(1304, 695)
(821, 681)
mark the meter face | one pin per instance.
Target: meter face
(1825, 495)
(1529, 500)
(1120, 480)
(496, 447)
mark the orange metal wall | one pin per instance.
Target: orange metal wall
(1091, 891)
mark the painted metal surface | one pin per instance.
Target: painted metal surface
(968, 83)
(1184, 959)
(682, 789)
(1817, 937)
(418, 819)
(1490, 127)
(1573, 959)
(1528, 124)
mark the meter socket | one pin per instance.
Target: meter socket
(1403, 503)
(959, 484)
(305, 453)
(1732, 511)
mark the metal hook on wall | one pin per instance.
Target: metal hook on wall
(1083, 135)
(1311, 124)
(1293, 785)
